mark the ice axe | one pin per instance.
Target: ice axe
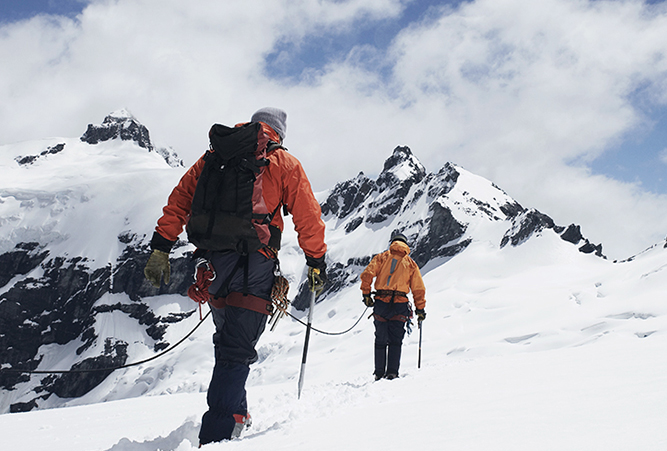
(305, 344)
(419, 359)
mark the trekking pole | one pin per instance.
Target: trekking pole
(419, 359)
(305, 345)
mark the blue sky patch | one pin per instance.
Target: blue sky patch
(15, 10)
(295, 62)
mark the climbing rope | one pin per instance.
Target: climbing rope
(329, 333)
(169, 349)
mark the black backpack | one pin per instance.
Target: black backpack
(228, 210)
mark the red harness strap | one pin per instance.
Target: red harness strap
(246, 301)
(198, 292)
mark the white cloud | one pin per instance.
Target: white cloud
(512, 90)
(663, 155)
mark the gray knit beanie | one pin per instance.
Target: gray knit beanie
(399, 237)
(274, 118)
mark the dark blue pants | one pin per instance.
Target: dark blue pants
(389, 336)
(237, 331)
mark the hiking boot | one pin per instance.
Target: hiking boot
(391, 376)
(378, 376)
(242, 421)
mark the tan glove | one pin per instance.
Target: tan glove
(316, 280)
(157, 267)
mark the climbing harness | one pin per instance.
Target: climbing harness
(393, 294)
(204, 276)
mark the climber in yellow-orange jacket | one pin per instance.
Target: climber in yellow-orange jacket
(396, 275)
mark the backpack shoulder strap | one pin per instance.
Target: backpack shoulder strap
(272, 145)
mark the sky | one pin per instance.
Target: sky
(561, 103)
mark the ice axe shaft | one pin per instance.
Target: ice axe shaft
(305, 344)
(419, 359)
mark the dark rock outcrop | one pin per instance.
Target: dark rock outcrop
(572, 234)
(118, 126)
(30, 159)
(526, 225)
(346, 197)
(60, 305)
(442, 238)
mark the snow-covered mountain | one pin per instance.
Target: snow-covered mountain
(76, 215)
(440, 214)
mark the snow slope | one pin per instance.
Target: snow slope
(48, 201)
(520, 352)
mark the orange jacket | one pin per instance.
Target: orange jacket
(284, 182)
(405, 276)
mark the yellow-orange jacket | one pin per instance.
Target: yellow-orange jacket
(404, 277)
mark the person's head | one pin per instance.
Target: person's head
(274, 118)
(399, 237)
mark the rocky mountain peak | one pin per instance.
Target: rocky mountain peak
(401, 166)
(118, 125)
(121, 124)
(347, 196)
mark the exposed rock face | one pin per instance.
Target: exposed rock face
(61, 305)
(118, 125)
(526, 225)
(573, 235)
(30, 159)
(347, 196)
(57, 300)
(122, 125)
(20, 261)
(442, 236)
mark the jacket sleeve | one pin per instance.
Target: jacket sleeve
(418, 288)
(177, 211)
(306, 213)
(369, 274)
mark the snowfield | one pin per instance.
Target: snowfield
(520, 352)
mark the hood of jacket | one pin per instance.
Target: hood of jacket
(399, 248)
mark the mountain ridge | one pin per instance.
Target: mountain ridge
(76, 244)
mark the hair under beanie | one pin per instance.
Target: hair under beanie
(274, 118)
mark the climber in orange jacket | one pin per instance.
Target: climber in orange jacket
(396, 275)
(240, 291)
(285, 182)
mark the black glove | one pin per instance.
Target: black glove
(368, 300)
(157, 267)
(421, 314)
(317, 274)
